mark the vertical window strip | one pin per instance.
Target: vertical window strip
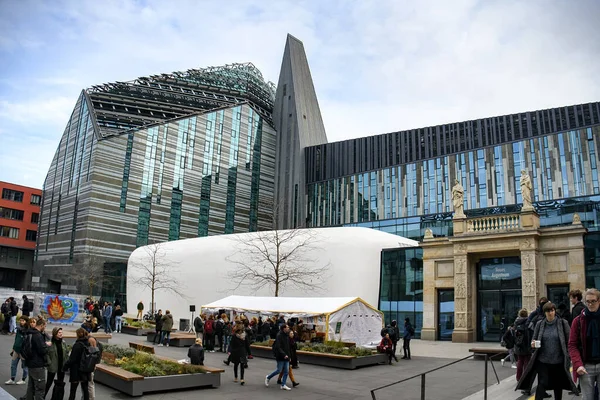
(162, 163)
(205, 190)
(255, 184)
(593, 161)
(563, 166)
(91, 151)
(175, 217)
(251, 127)
(191, 142)
(126, 169)
(75, 157)
(77, 177)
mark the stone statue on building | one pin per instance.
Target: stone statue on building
(428, 234)
(526, 190)
(576, 219)
(458, 196)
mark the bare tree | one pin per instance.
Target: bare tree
(91, 272)
(278, 259)
(157, 273)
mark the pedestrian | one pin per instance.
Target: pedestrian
(167, 325)
(238, 352)
(575, 296)
(158, 327)
(409, 333)
(199, 327)
(209, 334)
(91, 385)
(508, 342)
(5, 310)
(16, 353)
(281, 351)
(219, 331)
(140, 310)
(196, 353)
(76, 376)
(584, 344)
(14, 310)
(107, 314)
(386, 346)
(27, 308)
(34, 350)
(118, 313)
(57, 357)
(395, 336)
(293, 360)
(550, 360)
(522, 347)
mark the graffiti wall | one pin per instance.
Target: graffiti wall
(59, 309)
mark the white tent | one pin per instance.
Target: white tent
(347, 319)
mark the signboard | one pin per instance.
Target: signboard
(338, 327)
(60, 309)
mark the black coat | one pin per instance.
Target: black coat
(158, 321)
(293, 354)
(39, 349)
(196, 354)
(72, 364)
(14, 309)
(577, 309)
(198, 325)
(281, 347)
(565, 382)
(238, 348)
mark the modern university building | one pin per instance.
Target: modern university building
(220, 150)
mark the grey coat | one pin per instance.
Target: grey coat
(526, 381)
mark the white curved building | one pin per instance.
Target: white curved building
(202, 265)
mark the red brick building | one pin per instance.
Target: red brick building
(19, 217)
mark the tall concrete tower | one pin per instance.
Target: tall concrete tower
(297, 119)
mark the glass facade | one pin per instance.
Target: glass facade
(401, 286)
(490, 177)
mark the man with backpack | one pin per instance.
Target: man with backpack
(508, 342)
(522, 345)
(34, 350)
(219, 332)
(27, 308)
(209, 334)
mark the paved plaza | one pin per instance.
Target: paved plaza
(456, 382)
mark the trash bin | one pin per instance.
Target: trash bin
(184, 325)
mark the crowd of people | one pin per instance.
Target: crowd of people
(390, 336)
(10, 311)
(44, 360)
(102, 314)
(560, 347)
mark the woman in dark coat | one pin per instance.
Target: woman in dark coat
(238, 356)
(551, 361)
(77, 377)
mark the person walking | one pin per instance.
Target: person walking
(57, 357)
(281, 351)
(508, 342)
(550, 361)
(76, 376)
(209, 333)
(238, 356)
(158, 327)
(584, 345)
(409, 332)
(118, 313)
(293, 360)
(167, 325)
(575, 296)
(522, 347)
(140, 310)
(395, 336)
(199, 327)
(107, 315)
(196, 353)
(91, 385)
(16, 354)
(34, 350)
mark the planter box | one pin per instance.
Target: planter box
(70, 337)
(178, 339)
(324, 359)
(137, 385)
(131, 330)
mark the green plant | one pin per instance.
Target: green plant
(119, 351)
(149, 365)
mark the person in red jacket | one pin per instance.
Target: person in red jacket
(386, 346)
(584, 344)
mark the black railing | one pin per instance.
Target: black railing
(422, 375)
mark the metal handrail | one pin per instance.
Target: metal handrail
(422, 375)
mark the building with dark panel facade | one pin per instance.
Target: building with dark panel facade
(19, 216)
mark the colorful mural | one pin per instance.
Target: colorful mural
(60, 309)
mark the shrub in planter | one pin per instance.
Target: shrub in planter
(148, 365)
(118, 351)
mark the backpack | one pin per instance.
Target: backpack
(89, 359)
(27, 347)
(521, 336)
(219, 328)
(208, 326)
(4, 308)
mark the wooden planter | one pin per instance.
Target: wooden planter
(325, 359)
(136, 385)
(131, 330)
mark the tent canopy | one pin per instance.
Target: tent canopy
(285, 305)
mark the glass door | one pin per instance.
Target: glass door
(445, 314)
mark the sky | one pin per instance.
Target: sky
(378, 66)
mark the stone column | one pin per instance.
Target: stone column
(529, 274)
(463, 293)
(429, 329)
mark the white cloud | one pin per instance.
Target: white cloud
(378, 66)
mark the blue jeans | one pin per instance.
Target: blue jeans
(13, 367)
(118, 323)
(12, 324)
(107, 328)
(165, 334)
(281, 365)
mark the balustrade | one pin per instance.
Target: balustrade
(494, 223)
